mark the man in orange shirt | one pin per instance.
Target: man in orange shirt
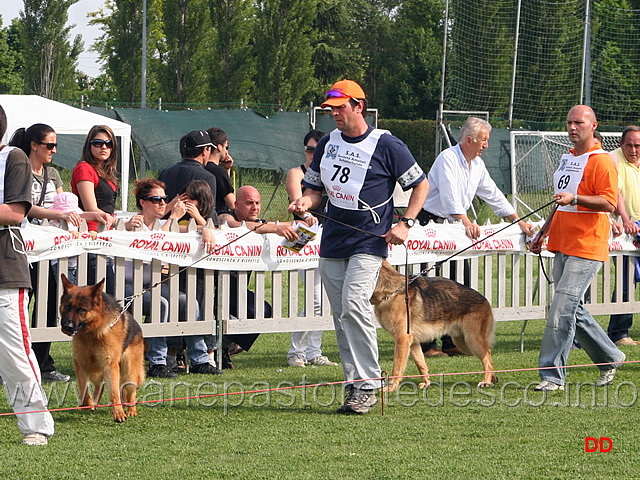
(586, 188)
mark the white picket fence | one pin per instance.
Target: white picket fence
(513, 283)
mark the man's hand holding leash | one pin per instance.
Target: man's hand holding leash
(398, 233)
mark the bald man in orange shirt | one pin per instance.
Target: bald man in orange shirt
(585, 190)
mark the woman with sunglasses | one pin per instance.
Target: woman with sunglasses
(39, 143)
(94, 177)
(152, 201)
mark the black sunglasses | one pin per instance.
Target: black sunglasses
(99, 143)
(50, 145)
(309, 148)
(156, 199)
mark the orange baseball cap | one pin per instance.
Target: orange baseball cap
(341, 92)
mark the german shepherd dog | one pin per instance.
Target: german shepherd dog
(438, 306)
(103, 348)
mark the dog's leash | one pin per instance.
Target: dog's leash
(131, 299)
(544, 231)
(440, 262)
(406, 261)
(406, 287)
(437, 264)
(326, 217)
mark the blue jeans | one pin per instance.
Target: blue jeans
(620, 323)
(157, 346)
(349, 283)
(567, 315)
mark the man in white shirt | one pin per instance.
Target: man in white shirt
(627, 159)
(458, 175)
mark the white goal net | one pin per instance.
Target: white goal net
(534, 159)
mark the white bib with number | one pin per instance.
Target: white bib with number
(343, 170)
(569, 175)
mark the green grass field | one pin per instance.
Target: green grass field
(450, 430)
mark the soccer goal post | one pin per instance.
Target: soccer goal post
(534, 159)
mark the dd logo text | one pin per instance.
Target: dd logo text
(602, 444)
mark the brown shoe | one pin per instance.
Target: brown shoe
(235, 349)
(227, 364)
(454, 351)
(434, 352)
(627, 341)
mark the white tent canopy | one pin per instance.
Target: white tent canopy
(25, 110)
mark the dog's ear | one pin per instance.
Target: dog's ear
(66, 283)
(97, 290)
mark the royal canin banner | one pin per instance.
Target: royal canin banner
(240, 249)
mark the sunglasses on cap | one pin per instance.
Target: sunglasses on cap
(50, 145)
(337, 94)
(157, 199)
(309, 148)
(98, 143)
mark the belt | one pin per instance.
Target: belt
(425, 217)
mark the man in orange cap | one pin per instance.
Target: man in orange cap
(358, 167)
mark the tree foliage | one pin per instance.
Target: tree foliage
(187, 33)
(283, 50)
(10, 61)
(49, 57)
(287, 53)
(231, 62)
(120, 45)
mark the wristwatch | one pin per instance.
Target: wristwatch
(409, 221)
(575, 200)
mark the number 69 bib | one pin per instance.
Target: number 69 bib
(344, 167)
(569, 175)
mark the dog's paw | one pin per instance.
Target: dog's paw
(132, 412)
(118, 415)
(89, 407)
(424, 384)
(392, 387)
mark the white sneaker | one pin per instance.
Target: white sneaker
(212, 359)
(295, 361)
(606, 376)
(547, 386)
(34, 439)
(322, 361)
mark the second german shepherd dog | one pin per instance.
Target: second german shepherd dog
(438, 306)
(104, 350)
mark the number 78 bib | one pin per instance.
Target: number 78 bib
(344, 167)
(569, 175)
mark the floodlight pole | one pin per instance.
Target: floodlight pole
(585, 84)
(440, 112)
(143, 94)
(515, 63)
